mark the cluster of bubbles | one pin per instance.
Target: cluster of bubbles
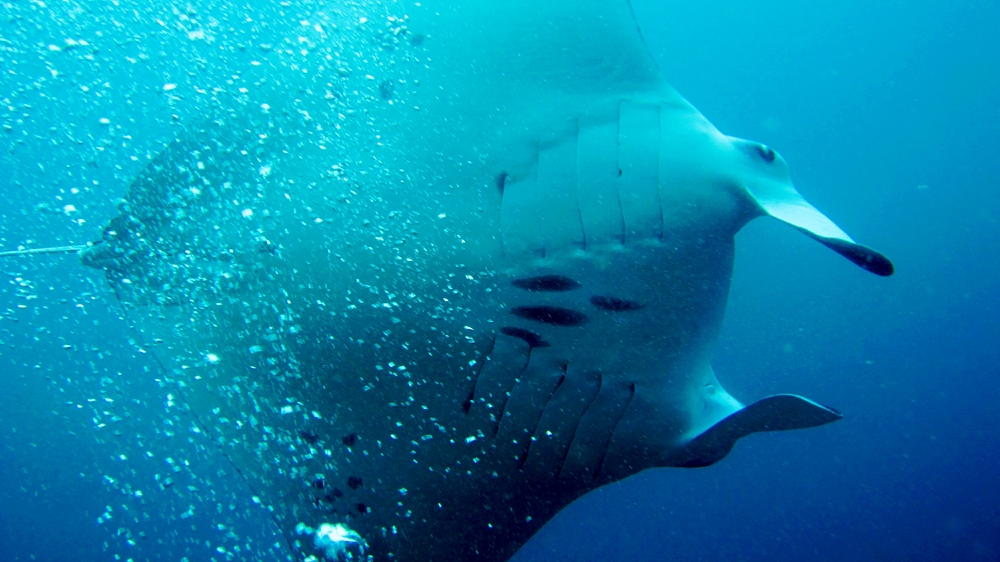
(337, 541)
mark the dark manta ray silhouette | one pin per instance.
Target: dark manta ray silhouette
(448, 267)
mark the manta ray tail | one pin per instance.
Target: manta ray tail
(774, 413)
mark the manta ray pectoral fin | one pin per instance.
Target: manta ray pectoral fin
(781, 201)
(774, 413)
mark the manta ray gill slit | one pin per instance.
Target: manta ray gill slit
(467, 403)
(541, 411)
(622, 407)
(589, 398)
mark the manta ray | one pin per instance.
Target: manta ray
(426, 272)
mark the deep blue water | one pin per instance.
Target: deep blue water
(888, 114)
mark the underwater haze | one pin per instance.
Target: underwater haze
(888, 115)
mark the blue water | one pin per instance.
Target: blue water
(889, 117)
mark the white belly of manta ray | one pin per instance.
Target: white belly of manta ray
(426, 296)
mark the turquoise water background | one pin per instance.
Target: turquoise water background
(888, 114)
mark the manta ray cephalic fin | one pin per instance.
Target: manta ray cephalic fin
(784, 203)
(774, 413)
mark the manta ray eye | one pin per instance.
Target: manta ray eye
(766, 153)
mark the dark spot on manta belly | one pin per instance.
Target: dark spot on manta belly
(546, 283)
(557, 316)
(350, 440)
(614, 304)
(531, 338)
(309, 436)
(362, 508)
(354, 482)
